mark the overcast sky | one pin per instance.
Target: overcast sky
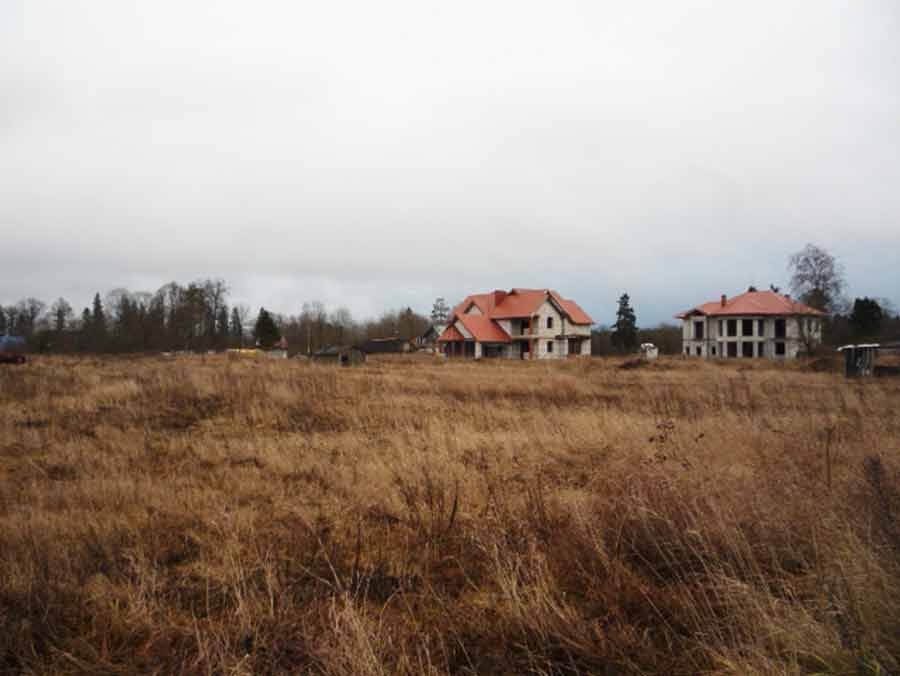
(379, 154)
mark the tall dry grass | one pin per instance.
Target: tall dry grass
(201, 515)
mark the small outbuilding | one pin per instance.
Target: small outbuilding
(393, 345)
(859, 360)
(343, 355)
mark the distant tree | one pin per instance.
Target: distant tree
(266, 330)
(817, 278)
(625, 332)
(98, 314)
(407, 324)
(62, 314)
(752, 289)
(27, 312)
(440, 311)
(865, 320)
(776, 289)
(236, 326)
(97, 339)
(222, 330)
(342, 322)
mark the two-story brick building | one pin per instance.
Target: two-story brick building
(753, 324)
(517, 324)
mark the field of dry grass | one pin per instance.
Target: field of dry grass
(201, 515)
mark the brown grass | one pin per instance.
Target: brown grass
(214, 516)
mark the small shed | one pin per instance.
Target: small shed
(343, 355)
(859, 360)
(393, 345)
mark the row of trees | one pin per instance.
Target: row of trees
(196, 317)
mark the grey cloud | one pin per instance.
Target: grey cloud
(377, 155)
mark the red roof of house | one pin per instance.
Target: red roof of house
(495, 305)
(519, 303)
(753, 303)
(484, 329)
(576, 314)
(450, 334)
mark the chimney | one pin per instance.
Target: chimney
(724, 299)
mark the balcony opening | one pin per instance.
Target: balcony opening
(746, 349)
(732, 349)
(780, 328)
(732, 327)
(746, 327)
(698, 330)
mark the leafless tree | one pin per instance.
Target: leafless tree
(62, 314)
(817, 278)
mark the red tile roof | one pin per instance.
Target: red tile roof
(576, 314)
(753, 303)
(484, 329)
(450, 334)
(517, 303)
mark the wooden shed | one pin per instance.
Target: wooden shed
(342, 355)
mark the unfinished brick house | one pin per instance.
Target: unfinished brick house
(517, 324)
(753, 324)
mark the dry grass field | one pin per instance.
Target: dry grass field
(208, 516)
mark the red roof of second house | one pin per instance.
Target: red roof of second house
(753, 303)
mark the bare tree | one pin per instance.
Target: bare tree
(62, 314)
(28, 312)
(342, 321)
(817, 278)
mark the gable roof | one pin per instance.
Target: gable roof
(753, 303)
(484, 329)
(521, 303)
(514, 304)
(450, 334)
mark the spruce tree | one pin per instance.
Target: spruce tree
(266, 330)
(98, 325)
(624, 335)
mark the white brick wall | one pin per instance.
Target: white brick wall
(794, 340)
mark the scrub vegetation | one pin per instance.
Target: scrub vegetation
(226, 516)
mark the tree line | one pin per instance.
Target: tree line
(198, 317)
(192, 317)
